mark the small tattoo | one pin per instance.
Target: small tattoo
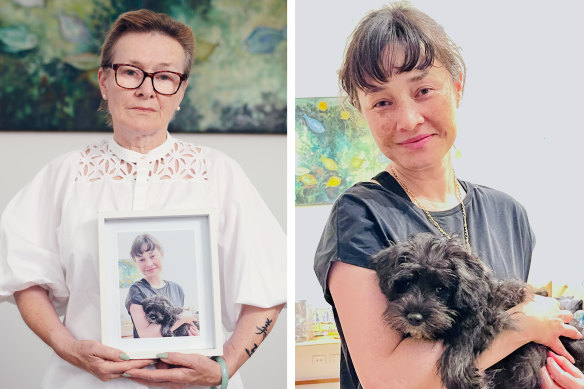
(264, 329)
(250, 352)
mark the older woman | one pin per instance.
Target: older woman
(49, 230)
(147, 254)
(407, 77)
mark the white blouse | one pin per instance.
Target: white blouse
(48, 233)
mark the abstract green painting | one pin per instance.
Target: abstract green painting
(49, 57)
(334, 150)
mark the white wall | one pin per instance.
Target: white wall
(520, 129)
(23, 154)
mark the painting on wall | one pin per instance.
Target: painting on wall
(49, 56)
(334, 150)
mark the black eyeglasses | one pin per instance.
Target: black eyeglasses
(131, 77)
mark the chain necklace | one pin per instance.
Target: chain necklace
(458, 197)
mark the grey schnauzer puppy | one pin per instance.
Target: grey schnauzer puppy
(159, 310)
(437, 290)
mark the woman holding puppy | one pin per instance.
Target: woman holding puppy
(147, 254)
(407, 77)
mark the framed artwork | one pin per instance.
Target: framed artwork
(49, 55)
(334, 150)
(159, 282)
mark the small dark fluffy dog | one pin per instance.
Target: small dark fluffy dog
(159, 310)
(438, 290)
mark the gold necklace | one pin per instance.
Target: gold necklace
(458, 197)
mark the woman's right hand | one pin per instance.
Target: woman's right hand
(559, 373)
(546, 322)
(106, 363)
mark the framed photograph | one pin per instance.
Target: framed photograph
(159, 282)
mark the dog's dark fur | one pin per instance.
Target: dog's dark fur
(159, 310)
(437, 290)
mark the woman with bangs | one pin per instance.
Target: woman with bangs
(406, 76)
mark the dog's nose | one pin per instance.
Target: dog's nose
(415, 318)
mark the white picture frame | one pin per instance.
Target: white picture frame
(190, 260)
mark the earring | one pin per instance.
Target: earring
(104, 96)
(457, 153)
(178, 108)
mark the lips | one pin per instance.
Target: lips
(417, 142)
(143, 109)
(416, 139)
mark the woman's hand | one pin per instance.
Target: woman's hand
(560, 373)
(106, 363)
(546, 323)
(190, 369)
(193, 331)
(175, 370)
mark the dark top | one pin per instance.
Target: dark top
(368, 216)
(142, 289)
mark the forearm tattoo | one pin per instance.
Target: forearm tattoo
(250, 352)
(263, 330)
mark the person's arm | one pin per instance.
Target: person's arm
(253, 325)
(104, 362)
(540, 321)
(381, 357)
(186, 317)
(144, 328)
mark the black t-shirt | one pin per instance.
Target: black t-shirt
(368, 217)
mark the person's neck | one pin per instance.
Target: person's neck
(433, 187)
(141, 143)
(156, 283)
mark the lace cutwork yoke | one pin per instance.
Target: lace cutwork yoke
(182, 161)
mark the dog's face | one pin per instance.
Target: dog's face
(432, 285)
(159, 309)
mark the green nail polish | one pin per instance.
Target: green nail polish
(162, 355)
(126, 375)
(124, 356)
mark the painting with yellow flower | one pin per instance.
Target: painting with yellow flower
(334, 150)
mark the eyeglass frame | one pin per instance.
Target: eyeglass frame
(115, 67)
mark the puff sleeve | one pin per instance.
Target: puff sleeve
(251, 245)
(29, 249)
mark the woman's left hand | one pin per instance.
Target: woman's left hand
(179, 370)
(560, 373)
(193, 331)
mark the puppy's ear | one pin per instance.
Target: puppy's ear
(474, 280)
(385, 264)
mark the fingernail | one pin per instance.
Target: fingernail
(126, 375)
(124, 356)
(153, 363)
(162, 355)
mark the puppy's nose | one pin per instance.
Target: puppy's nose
(415, 318)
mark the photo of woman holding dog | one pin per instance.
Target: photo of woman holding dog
(151, 298)
(51, 269)
(407, 77)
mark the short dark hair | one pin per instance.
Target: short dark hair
(378, 38)
(141, 240)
